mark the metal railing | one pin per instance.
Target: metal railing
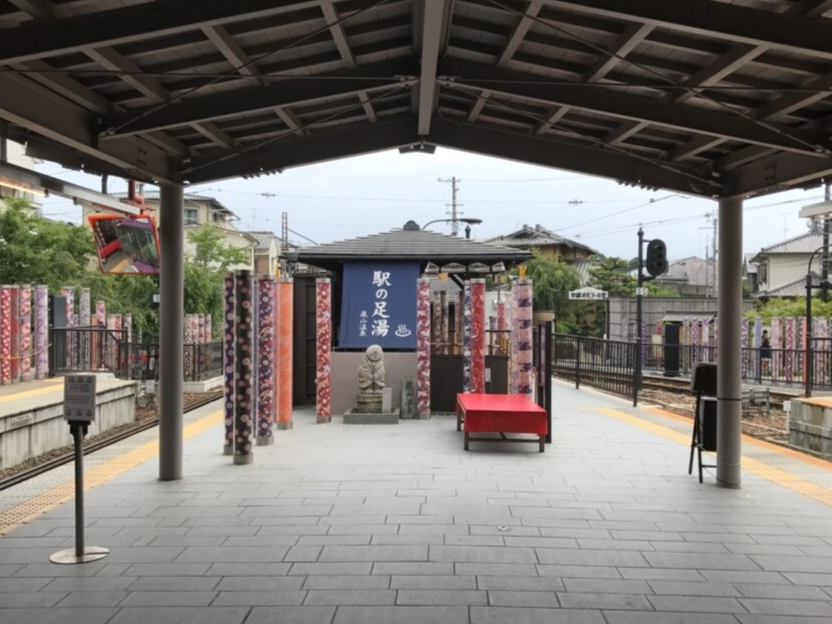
(605, 364)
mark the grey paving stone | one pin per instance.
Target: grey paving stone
(337, 569)
(661, 574)
(222, 531)
(247, 554)
(541, 542)
(169, 583)
(170, 569)
(700, 562)
(57, 615)
(802, 578)
(373, 553)
(433, 582)
(392, 568)
(30, 600)
(180, 615)
(644, 617)
(404, 615)
(788, 592)
(334, 540)
(434, 529)
(261, 540)
(737, 576)
(303, 553)
(169, 599)
(411, 540)
(474, 540)
(465, 554)
(493, 569)
(812, 608)
(363, 529)
(354, 597)
(816, 565)
(606, 586)
(346, 582)
(86, 600)
(520, 583)
(574, 600)
(682, 588)
(249, 569)
(514, 615)
(258, 583)
(627, 559)
(24, 585)
(440, 597)
(291, 615)
(524, 599)
(272, 598)
(696, 604)
(579, 571)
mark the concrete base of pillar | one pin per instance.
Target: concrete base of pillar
(323, 420)
(227, 450)
(242, 460)
(265, 441)
(284, 425)
(425, 416)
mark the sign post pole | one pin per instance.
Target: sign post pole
(79, 412)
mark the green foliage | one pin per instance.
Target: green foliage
(553, 280)
(211, 252)
(784, 308)
(612, 274)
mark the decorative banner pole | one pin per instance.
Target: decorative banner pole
(285, 288)
(323, 371)
(266, 397)
(25, 333)
(68, 292)
(41, 332)
(477, 336)
(436, 324)
(524, 338)
(790, 326)
(189, 347)
(15, 333)
(459, 323)
(466, 339)
(228, 364)
(101, 321)
(5, 335)
(423, 346)
(514, 367)
(84, 314)
(744, 346)
(243, 368)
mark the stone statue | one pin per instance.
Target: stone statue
(371, 380)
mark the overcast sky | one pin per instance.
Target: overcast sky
(377, 192)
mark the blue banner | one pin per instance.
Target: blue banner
(378, 305)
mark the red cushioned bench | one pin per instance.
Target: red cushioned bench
(500, 413)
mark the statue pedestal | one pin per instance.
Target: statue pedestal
(354, 417)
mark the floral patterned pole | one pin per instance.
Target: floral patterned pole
(466, 339)
(790, 326)
(436, 324)
(41, 332)
(744, 346)
(285, 288)
(478, 331)
(514, 369)
(25, 329)
(266, 398)
(5, 335)
(68, 292)
(15, 333)
(228, 364)
(423, 331)
(323, 368)
(524, 339)
(243, 369)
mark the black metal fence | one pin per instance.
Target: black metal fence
(605, 364)
(90, 349)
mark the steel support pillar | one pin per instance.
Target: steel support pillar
(171, 318)
(729, 379)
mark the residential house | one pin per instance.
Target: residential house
(691, 277)
(16, 155)
(200, 211)
(782, 267)
(267, 252)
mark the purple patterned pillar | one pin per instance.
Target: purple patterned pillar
(423, 331)
(41, 332)
(209, 328)
(244, 408)
(189, 347)
(776, 346)
(68, 292)
(694, 342)
(5, 335)
(436, 324)
(466, 338)
(266, 397)
(84, 320)
(744, 347)
(323, 359)
(228, 363)
(524, 339)
(790, 327)
(478, 336)
(25, 329)
(15, 333)
(127, 325)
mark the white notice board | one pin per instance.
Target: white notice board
(79, 397)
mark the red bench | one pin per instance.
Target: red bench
(502, 414)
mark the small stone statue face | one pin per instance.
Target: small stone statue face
(374, 353)
(371, 371)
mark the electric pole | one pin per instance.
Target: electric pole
(453, 212)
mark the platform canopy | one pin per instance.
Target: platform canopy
(703, 97)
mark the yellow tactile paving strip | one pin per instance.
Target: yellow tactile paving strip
(26, 394)
(821, 401)
(37, 505)
(754, 466)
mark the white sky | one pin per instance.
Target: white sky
(373, 193)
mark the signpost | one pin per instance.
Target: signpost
(588, 294)
(79, 412)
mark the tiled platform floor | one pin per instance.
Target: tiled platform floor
(396, 524)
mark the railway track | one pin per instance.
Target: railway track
(48, 465)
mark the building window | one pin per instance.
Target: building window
(191, 216)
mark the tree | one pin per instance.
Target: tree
(613, 275)
(553, 279)
(211, 252)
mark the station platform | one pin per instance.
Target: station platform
(339, 524)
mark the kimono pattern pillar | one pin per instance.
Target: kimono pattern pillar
(266, 397)
(41, 332)
(5, 335)
(423, 346)
(15, 333)
(436, 325)
(189, 347)
(776, 346)
(466, 338)
(790, 345)
(68, 292)
(228, 362)
(323, 359)
(285, 292)
(98, 340)
(25, 330)
(84, 320)
(244, 408)
(478, 331)
(744, 344)
(524, 338)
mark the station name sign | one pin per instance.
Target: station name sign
(588, 294)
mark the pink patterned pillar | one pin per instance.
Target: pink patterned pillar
(41, 332)
(523, 322)
(100, 321)
(285, 291)
(266, 397)
(514, 368)
(189, 347)
(323, 360)
(228, 361)
(15, 333)
(5, 335)
(478, 331)
(84, 313)
(209, 328)
(423, 331)
(127, 325)
(744, 347)
(25, 329)
(790, 327)
(68, 292)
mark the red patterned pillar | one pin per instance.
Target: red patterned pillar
(244, 399)
(285, 288)
(423, 331)
(15, 335)
(323, 376)
(478, 336)
(25, 333)
(5, 335)
(266, 396)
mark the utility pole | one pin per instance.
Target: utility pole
(453, 208)
(824, 261)
(713, 260)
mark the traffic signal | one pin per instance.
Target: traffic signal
(656, 261)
